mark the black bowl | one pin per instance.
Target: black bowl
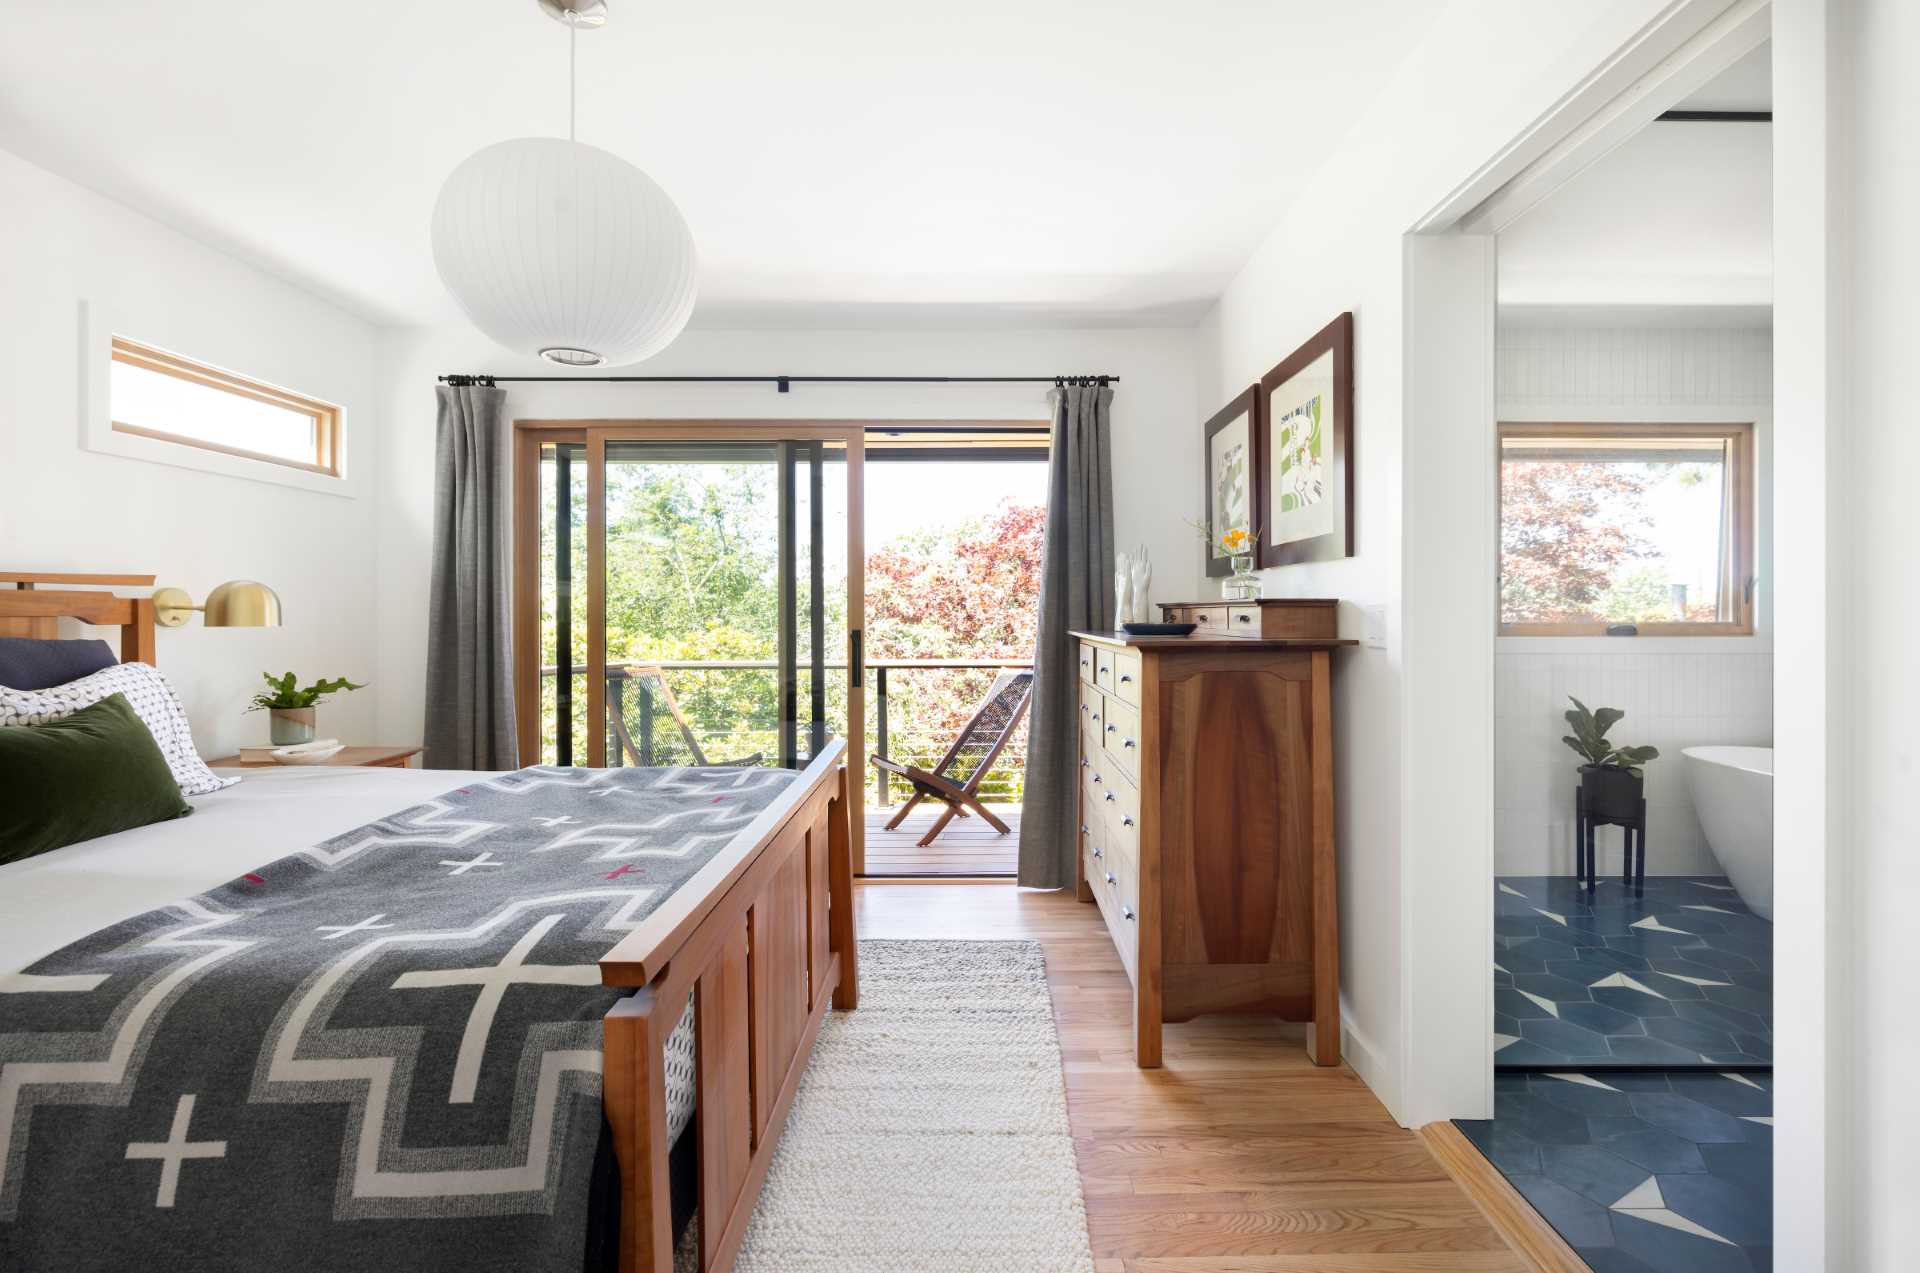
(1158, 629)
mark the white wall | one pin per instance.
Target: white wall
(1874, 638)
(1678, 215)
(1677, 691)
(65, 508)
(1156, 472)
(1340, 248)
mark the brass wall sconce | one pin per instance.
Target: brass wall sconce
(238, 603)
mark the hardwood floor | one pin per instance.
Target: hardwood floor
(968, 846)
(1239, 1156)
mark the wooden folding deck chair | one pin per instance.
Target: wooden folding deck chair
(658, 675)
(956, 780)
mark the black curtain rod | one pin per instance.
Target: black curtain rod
(1717, 117)
(785, 383)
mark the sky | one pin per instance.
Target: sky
(907, 496)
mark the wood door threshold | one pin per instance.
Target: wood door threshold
(1533, 1240)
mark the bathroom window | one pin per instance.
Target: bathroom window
(162, 396)
(1617, 528)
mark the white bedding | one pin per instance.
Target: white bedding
(60, 897)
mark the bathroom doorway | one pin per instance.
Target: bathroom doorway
(1633, 937)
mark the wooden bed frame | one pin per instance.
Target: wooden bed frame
(26, 611)
(762, 938)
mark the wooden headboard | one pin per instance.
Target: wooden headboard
(30, 610)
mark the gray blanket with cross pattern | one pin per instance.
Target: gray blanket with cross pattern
(382, 1052)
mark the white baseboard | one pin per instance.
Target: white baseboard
(1359, 1052)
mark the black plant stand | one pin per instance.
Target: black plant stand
(1634, 858)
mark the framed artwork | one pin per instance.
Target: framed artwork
(1232, 472)
(1304, 496)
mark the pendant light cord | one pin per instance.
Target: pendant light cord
(573, 43)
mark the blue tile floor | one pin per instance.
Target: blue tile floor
(1650, 1172)
(1678, 975)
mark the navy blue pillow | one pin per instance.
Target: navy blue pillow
(28, 664)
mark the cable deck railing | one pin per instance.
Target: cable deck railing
(634, 710)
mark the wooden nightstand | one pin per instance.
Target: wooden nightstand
(349, 758)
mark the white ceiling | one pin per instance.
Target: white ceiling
(1747, 85)
(1034, 159)
(1680, 215)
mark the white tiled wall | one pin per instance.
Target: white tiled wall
(1652, 367)
(1674, 698)
(1671, 701)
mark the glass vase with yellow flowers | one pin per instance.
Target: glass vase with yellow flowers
(1242, 585)
(1236, 544)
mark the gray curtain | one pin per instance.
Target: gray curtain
(1076, 593)
(469, 721)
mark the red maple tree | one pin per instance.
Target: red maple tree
(966, 592)
(1566, 530)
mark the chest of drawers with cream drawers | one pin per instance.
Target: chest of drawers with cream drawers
(1206, 825)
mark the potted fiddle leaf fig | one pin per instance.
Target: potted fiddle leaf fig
(1611, 780)
(289, 705)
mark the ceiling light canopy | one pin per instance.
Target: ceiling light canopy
(562, 249)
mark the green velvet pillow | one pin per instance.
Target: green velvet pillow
(92, 773)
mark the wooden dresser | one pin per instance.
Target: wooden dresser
(1206, 819)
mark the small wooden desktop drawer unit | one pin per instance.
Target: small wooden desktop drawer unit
(1299, 618)
(1206, 825)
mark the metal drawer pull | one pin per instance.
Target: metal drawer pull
(1243, 618)
(1110, 878)
(1083, 831)
(1109, 795)
(1096, 777)
(1126, 912)
(1084, 762)
(1125, 679)
(1203, 617)
(1127, 743)
(1113, 729)
(1097, 852)
(1125, 822)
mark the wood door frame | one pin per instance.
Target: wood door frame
(530, 435)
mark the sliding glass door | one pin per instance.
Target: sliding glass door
(690, 594)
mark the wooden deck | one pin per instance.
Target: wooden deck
(967, 847)
(1240, 1156)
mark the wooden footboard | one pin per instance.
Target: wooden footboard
(763, 939)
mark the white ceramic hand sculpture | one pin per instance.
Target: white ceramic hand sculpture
(1142, 587)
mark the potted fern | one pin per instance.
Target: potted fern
(289, 705)
(1611, 780)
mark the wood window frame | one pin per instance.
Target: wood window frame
(1737, 569)
(328, 430)
(529, 436)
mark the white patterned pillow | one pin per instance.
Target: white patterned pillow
(153, 701)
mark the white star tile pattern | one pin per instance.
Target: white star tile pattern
(1645, 1203)
(1653, 1172)
(1623, 976)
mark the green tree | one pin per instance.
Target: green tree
(693, 576)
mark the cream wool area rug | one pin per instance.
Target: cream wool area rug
(930, 1130)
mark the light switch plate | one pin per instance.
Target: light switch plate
(1376, 634)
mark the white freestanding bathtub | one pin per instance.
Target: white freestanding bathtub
(1732, 789)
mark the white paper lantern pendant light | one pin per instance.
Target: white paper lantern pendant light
(561, 249)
